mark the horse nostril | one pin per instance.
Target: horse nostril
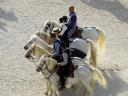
(38, 70)
(27, 56)
(25, 48)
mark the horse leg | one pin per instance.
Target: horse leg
(49, 88)
(51, 91)
(54, 92)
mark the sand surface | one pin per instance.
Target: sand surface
(21, 18)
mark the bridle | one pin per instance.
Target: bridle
(30, 57)
(45, 68)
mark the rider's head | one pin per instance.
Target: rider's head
(56, 31)
(61, 20)
(65, 18)
(71, 9)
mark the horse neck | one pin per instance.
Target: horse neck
(37, 51)
(44, 45)
(45, 37)
(52, 63)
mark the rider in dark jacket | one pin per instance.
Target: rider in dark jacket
(56, 54)
(69, 26)
(64, 65)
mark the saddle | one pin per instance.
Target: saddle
(77, 32)
(71, 71)
(67, 71)
(77, 53)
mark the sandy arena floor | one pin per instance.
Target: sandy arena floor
(21, 18)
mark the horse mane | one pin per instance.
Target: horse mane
(51, 22)
(34, 36)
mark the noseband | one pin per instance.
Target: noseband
(30, 57)
(46, 67)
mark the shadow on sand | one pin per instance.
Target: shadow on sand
(10, 16)
(115, 86)
(76, 90)
(112, 6)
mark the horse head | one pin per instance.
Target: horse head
(46, 63)
(28, 53)
(32, 40)
(47, 27)
(34, 53)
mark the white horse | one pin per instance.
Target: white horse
(92, 33)
(83, 45)
(49, 25)
(37, 51)
(85, 74)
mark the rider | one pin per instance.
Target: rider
(60, 20)
(72, 21)
(56, 54)
(64, 25)
(64, 65)
(63, 31)
(69, 26)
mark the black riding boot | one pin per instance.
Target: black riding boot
(62, 83)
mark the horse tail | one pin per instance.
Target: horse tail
(101, 41)
(93, 55)
(98, 76)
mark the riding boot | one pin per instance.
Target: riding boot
(67, 42)
(62, 83)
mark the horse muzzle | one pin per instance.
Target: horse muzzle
(27, 56)
(38, 69)
(25, 48)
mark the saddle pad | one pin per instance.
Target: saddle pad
(77, 53)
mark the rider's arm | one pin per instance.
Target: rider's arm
(63, 30)
(72, 21)
(57, 49)
(65, 59)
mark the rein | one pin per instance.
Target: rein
(44, 63)
(31, 58)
